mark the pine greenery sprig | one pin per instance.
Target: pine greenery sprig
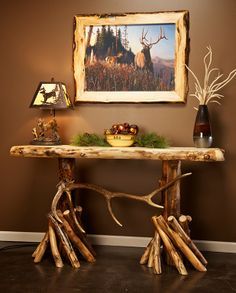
(151, 140)
(89, 139)
(148, 140)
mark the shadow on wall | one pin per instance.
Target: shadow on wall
(199, 199)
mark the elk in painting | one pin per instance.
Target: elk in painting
(143, 58)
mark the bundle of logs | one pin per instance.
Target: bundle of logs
(172, 240)
(66, 238)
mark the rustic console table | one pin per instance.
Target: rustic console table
(64, 219)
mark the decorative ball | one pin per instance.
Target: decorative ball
(133, 129)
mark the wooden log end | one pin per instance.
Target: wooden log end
(144, 258)
(41, 248)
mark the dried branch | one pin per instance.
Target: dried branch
(208, 92)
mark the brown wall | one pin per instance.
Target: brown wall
(36, 44)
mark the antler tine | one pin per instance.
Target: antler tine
(111, 212)
(154, 192)
(162, 33)
(143, 38)
(160, 37)
(164, 36)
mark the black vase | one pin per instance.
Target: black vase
(202, 135)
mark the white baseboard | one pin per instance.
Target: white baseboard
(112, 240)
(21, 236)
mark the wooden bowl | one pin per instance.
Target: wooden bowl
(120, 140)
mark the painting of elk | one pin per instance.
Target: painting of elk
(129, 58)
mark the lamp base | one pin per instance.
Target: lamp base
(46, 133)
(45, 142)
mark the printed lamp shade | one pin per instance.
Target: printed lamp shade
(51, 95)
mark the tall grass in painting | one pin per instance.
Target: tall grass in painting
(102, 76)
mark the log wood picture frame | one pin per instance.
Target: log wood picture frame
(131, 58)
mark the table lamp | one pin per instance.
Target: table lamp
(53, 96)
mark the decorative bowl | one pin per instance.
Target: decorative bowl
(120, 140)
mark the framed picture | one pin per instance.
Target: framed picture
(131, 58)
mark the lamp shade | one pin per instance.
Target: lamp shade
(51, 95)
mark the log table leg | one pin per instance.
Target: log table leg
(171, 229)
(67, 232)
(171, 196)
(66, 169)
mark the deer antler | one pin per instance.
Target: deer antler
(143, 38)
(68, 187)
(149, 44)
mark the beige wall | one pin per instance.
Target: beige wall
(36, 44)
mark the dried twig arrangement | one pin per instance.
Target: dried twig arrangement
(176, 242)
(208, 92)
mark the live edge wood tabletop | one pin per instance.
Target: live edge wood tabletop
(64, 219)
(68, 151)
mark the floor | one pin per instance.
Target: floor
(116, 269)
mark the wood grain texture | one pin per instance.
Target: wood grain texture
(180, 244)
(138, 153)
(179, 230)
(171, 196)
(170, 248)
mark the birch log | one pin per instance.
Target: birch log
(178, 229)
(76, 240)
(168, 154)
(40, 250)
(54, 247)
(151, 258)
(170, 248)
(45, 238)
(157, 254)
(184, 222)
(65, 243)
(82, 236)
(145, 256)
(181, 244)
